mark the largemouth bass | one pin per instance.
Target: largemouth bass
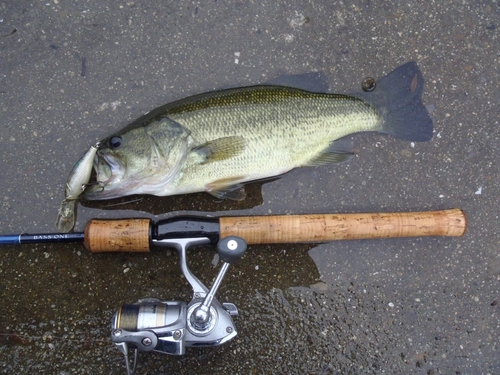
(217, 141)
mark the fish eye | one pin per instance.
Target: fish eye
(115, 142)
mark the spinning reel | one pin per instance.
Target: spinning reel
(170, 326)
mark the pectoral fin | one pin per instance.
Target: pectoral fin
(220, 149)
(227, 188)
(338, 152)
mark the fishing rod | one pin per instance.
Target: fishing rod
(170, 327)
(140, 235)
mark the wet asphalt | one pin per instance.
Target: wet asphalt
(71, 73)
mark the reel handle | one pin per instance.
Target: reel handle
(231, 250)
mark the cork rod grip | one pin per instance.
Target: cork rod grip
(330, 227)
(124, 235)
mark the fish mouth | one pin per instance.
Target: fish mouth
(108, 173)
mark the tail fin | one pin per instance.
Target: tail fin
(398, 99)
